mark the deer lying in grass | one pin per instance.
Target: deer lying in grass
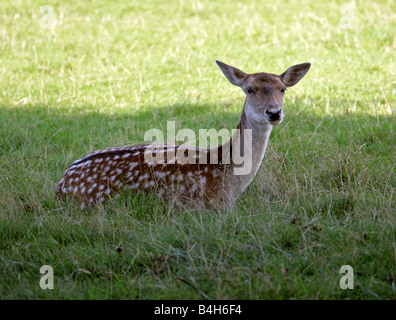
(104, 173)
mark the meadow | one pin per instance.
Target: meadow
(99, 73)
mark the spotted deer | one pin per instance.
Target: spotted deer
(103, 174)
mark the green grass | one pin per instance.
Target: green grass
(324, 196)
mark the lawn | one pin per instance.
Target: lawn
(101, 73)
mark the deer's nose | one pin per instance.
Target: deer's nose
(274, 113)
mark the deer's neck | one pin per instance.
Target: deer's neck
(252, 140)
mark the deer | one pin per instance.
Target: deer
(103, 174)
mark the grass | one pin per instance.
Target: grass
(324, 196)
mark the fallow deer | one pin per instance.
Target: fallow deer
(105, 173)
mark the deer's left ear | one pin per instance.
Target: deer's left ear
(294, 74)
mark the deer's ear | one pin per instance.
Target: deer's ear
(294, 74)
(234, 75)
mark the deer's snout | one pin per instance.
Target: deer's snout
(274, 112)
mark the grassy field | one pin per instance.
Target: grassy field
(108, 71)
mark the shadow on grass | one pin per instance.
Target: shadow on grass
(322, 198)
(324, 155)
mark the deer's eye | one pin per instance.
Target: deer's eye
(283, 90)
(250, 91)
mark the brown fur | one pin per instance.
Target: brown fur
(198, 182)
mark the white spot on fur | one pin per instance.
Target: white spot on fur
(93, 187)
(133, 165)
(160, 175)
(145, 176)
(193, 188)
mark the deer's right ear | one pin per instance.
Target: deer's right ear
(234, 75)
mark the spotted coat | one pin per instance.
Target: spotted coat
(103, 174)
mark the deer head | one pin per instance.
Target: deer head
(264, 91)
